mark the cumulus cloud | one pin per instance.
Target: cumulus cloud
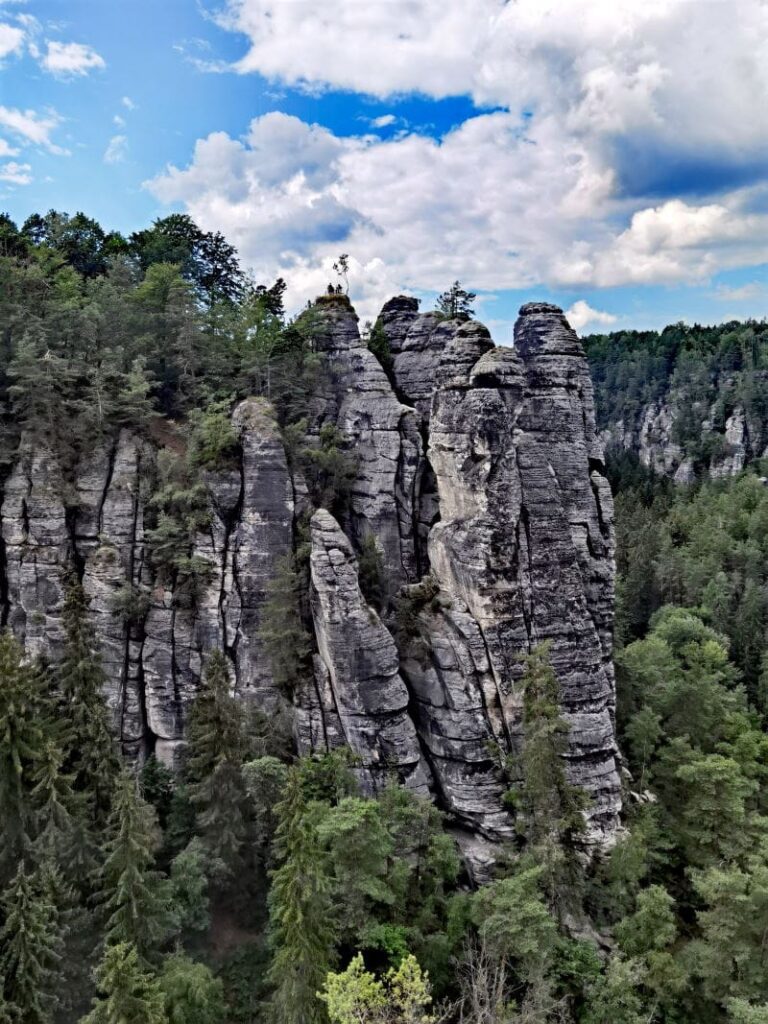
(117, 150)
(494, 203)
(616, 155)
(70, 60)
(6, 149)
(15, 174)
(32, 127)
(581, 313)
(11, 40)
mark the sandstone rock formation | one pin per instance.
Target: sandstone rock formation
(477, 475)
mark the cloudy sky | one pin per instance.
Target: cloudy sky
(609, 155)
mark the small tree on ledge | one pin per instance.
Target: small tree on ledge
(456, 303)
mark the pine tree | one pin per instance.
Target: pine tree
(302, 929)
(456, 303)
(128, 993)
(135, 896)
(30, 944)
(22, 740)
(93, 757)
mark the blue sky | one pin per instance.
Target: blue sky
(578, 153)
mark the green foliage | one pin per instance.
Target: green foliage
(371, 572)
(282, 632)
(192, 994)
(127, 990)
(30, 946)
(694, 366)
(301, 917)
(213, 442)
(329, 468)
(134, 895)
(88, 733)
(551, 807)
(456, 303)
(217, 739)
(21, 744)
(355, 996)
(378, 343)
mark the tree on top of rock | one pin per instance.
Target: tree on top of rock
(456, 303)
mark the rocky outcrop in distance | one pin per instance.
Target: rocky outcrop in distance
(721, 447)
(478, 480)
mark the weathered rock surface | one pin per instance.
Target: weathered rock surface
(360, 660)
(725, 446)
(479, 474)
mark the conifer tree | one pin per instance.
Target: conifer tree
(128, 993)
(62, 835)
(214, 769)
(456, 303)
(22, 740)
(30, 944)
(135, 896)
(93, 757)
(550, 805)
(302, 929)
(282, 632)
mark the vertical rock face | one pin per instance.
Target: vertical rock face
(359, 659)
(478, 474)
(383, 437)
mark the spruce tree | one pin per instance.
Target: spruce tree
(302, 929)
(128, 993)
(135, 896)
(551, 806)
(30, 944)
(90, 741)
(214, 769)
(282, 632)
(62, 835)
(22, 740)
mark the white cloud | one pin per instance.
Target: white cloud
(68, 60)
(581, 313)
(118, 121)
(491, 204)
(16, 174)
(11, 40)
(740, 293)
(128, 103)
(608, 110)
(6, 149)
(32, 127)
(117, 150)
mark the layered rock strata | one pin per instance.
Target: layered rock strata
(478, 477)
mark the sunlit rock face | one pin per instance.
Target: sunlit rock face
(476, 478)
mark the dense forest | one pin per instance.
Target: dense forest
(255, 887)
(702, 374)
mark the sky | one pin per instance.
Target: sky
(611, 157)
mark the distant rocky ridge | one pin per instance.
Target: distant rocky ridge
(480, 476)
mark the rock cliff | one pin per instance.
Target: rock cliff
(476, 477)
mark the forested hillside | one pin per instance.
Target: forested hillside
(234, 833)
(689, 400)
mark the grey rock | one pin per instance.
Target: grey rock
(361, 660)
